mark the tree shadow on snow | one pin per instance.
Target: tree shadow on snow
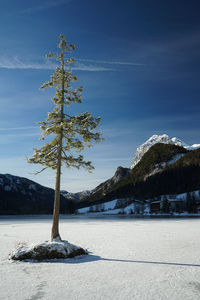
(151, 262)
(92, 258)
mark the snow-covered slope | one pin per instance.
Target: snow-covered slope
(75, 196)
(19, 195)
(155, 139)
(193, 147)
(135, 206)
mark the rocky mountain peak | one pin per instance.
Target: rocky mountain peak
(155, 139)
(120, 173)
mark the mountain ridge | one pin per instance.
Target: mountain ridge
(19, 195)
(162, 168)
(155, 139)
(155, 165)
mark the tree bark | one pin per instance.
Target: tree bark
(55, 226)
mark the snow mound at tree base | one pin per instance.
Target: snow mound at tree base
(48, 250)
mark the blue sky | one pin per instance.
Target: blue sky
(139, 64)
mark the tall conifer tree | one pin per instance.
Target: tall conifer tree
(70, 134)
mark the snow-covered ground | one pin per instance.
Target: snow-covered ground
(107, 206)
(139, 259)
(109, 209)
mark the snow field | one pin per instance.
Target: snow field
(138, 259)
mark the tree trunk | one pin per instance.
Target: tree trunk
(55, 227)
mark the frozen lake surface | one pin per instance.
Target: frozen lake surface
(139, 259)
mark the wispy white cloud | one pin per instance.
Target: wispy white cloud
(16, 63)
(92, 68)
(88, 65)
(18, 128)
(21, 134)
(112, 62)
(45, 5)
(10, 134)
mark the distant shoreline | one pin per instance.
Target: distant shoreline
(96, 216)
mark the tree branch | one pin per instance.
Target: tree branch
(38, 172)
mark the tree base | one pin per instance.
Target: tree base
(47, 251)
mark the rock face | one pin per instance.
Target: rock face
(103, 187)
(164, 169)
(155, 139)
(120, 173)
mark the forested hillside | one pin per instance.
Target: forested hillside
(163, 169)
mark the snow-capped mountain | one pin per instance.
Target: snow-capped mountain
(155, 139)
(162, 158)
(75, 196)
(19, 195)
(164, 169)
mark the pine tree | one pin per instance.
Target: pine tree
(165, 205)
(70, 134)
(191, 203)
(194, 203)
